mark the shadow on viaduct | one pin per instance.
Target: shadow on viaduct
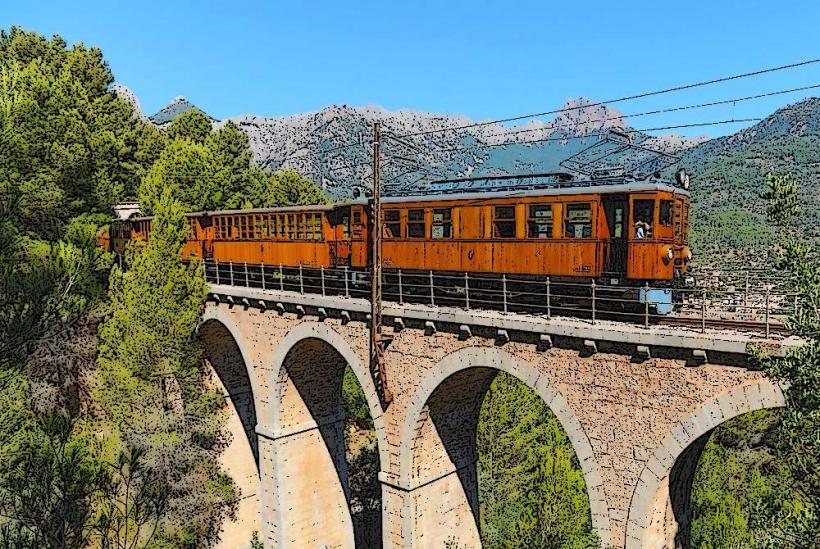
(637, 424)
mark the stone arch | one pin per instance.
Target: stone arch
(664, 485)
(305, 423)
(226, 355)
(470, 370)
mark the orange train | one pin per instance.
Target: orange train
(619, 232)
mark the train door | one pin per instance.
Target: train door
(616, 211)
(339, 240)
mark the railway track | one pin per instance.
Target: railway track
(774, 327)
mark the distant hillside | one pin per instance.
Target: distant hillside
(728, 173)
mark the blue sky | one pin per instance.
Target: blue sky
(481, 59)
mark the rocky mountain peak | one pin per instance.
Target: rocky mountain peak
(177, 106)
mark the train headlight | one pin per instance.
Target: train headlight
(687, 254)
(668, 254)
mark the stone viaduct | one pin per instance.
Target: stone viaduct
(637, 403)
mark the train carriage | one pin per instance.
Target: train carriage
(619, 232)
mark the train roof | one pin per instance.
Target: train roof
(623, 188)
(564, 189)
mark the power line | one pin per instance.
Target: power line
(620, 99)
(601, 134)
(661, 111)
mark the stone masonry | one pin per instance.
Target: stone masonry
(636, 422)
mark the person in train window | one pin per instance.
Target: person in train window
(640, 229)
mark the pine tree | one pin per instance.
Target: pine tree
(149, 380)
(531, 487)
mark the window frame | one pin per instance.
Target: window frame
(415, 223)
(671, 214)
(569, 221)
(391, 224)
(446, 223)
(534, 221)
(498, 221)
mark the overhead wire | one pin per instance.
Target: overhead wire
(619, 99)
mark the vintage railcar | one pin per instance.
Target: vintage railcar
(617, 232)
(630, 231)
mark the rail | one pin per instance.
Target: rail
(764, 311)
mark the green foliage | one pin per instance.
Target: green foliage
(137, 500)
(217, 173)
(797, 440)
(781, 195)
(193, 125)
(531, 487)
(149, 379)
(48, 487)
(68, 145)
(189, 172)
(357, 410)
(290, 187)
(737, 472)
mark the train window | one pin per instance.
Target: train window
(317, 226)
(300, 226)
(256, 227)
(504, 222)
(665, 213)
(392, 224)
(442, 223)
(644, 216)
(539, 224)
(578, 221)
(358, 229)
(278, 226)
(290, 224)
(191, 229)
(415, 224)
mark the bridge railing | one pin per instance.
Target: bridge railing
(761, 310)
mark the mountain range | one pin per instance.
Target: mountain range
(332, 147)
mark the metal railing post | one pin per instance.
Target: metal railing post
(767, 310)
(549, 299)
(216, 263)
(262, 267)
(247, 280)
(281, 278)
(230, 266)
(322, 275)
(432, 291)
(646, 305)
(301, 280)
(593, 301)
(504, 290)
(467, 290)
(347, 276)
(401, 289)
(703, 311)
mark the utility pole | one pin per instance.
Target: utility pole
(377, 338)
